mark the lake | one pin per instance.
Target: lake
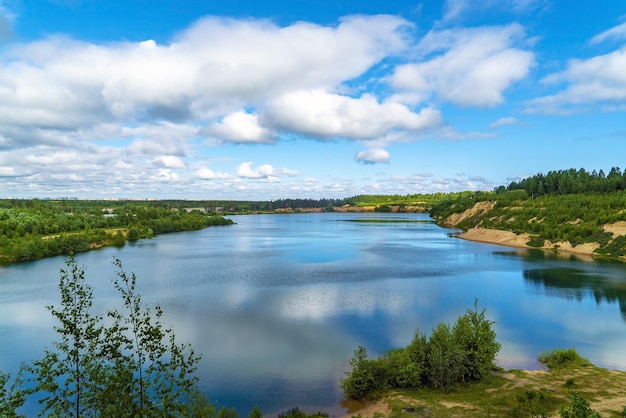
(277, 304)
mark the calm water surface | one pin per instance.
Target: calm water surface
(277, 303)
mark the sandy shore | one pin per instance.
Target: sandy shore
(510, 239)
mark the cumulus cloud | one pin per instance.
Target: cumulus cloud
(468, 67)
(169, 161)
(240, 127)
(265, 171)
(372, 156)
(320, 114)
(208, 174)
(600, 79)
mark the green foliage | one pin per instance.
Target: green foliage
(70, 374)
(30, 230)
(564, 357)
(132, 366)
(576, 218)
(533, 403)
(572, 181)
(296, 413)
(451, 355)
(256, 413)
(11, 396)
(578, 407)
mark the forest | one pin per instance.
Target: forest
(566, 205)
(571, 205)
(34, 229)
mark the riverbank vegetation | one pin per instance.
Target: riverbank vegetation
(450, 356)
(570, 207)
(452, 374)
(119, 363)
(33, 229)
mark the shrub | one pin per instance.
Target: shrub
(563, 357)
(463, 353)
(578, 407)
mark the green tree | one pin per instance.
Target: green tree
(445, 358)
(474, 335)
(132, 367)
(156, 371)
(365, 377)
(11, 396)
(69, 375)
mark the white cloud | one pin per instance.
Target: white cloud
(503, 122)
(617, 32)
(598, 79)
(320, 114)
(169, 161)
(240, 127)
(67, 84)
(468, 67)
(265, 171)
(208, 174)
(372, 156)
(458, 9)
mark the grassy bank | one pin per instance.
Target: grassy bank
(513, 393)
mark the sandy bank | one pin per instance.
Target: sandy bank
(510, 239)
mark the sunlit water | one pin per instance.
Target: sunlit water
(278, 303)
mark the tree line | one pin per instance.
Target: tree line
(572, 206)
(31, 230)
(571, 181)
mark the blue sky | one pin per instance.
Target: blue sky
(305, 99)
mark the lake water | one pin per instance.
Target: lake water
(278, 303)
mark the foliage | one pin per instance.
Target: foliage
(451, 355)
(11, 396)
(571, 181)
(296, 413)
(548, 218)
(564, 357)
(578, 408)
(131, 366)
(533, 403)
(33, 229)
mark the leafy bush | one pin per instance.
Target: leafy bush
(564, 357)
(578, 408)
(451, 355)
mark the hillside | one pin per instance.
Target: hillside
(590, 222)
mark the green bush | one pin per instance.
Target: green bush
(451, 355)
(563, 357)
(578, 407)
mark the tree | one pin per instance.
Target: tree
(70, 374)
(154, 369)
(445, 358)
(474, 334)
(132, 367)
(11, 397)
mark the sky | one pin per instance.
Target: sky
(260, 100)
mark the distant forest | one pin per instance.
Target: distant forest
(571, 181)
(566, 205)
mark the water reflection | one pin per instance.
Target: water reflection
(577, 284)
(277, 303)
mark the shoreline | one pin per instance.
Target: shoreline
(511, 239)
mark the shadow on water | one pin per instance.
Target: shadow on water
(571, 283)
